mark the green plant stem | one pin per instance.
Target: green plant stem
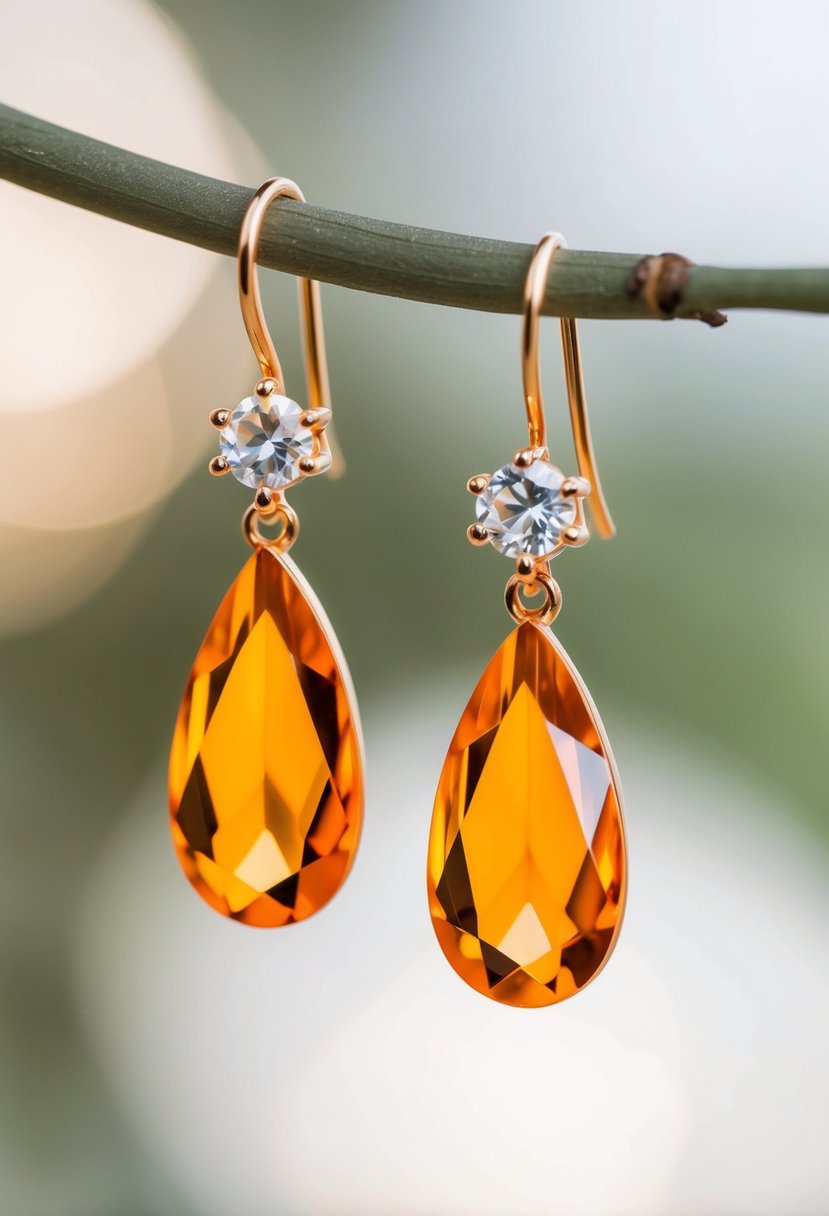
(375, 255)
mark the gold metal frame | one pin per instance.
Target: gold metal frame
(532, 575)
(325, 456)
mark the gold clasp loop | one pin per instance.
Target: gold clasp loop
(543, 583)
(535, 290)
(316, 362)
(281, 513)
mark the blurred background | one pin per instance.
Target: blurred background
(158, 1061)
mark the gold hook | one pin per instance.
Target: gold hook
(535, 290)
(313, 336)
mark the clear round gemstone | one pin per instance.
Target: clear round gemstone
(524, 511)
(264, 441)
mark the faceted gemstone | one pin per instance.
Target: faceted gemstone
(524, 511)
(266, 774)
(527, 865)
(264, 441)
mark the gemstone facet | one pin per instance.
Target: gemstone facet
(527, 863)
(264, 441)
(266, 771)
(524, 511)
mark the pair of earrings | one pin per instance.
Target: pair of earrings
(526, 856)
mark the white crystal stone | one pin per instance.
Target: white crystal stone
(264, 441)
(524, 511)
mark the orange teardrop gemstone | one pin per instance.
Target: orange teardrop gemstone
(527, 869)
(266, 773)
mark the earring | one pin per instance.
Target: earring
(527, 861)
(266, 767)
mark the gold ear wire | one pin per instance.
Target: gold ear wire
(535, 290)
(313, 336)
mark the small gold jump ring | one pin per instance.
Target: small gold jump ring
(282, 513)
(546, 612)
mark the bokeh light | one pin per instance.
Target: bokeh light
(85, 300)
(105, 389)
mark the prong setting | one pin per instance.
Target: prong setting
(477, 534)
(309, 465)
(265, 387)
(478, 483)
(218, 418)
(575, 487)
(264, 501)
(218, 466)
(575, 536)
(524, 457)
(265, 443)
(523, 510)
(316, 420)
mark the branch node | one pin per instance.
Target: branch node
(660, 280)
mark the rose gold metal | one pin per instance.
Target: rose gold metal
(317, 420)
(316, 363)
(575, 536)
(478, 483)
(575, 487)
(315, 464)
(527, 456)
(535, 290)
(218, 418)
(264, 501)
(546, 612)
(281, 513)
(477, 534)
(218, 466)
(265, 387)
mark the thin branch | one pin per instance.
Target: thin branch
(377, 256)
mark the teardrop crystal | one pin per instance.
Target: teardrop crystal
(266, 771)
(527, 863)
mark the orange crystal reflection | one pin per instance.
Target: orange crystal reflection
(527, 870)
(266, 781)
